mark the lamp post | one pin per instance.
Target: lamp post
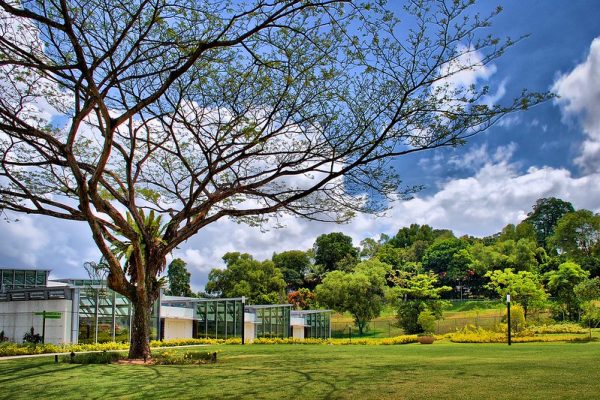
(508, 316)
(243, 319)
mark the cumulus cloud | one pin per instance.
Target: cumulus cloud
(579, 92)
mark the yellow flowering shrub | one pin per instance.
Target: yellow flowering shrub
(480, 335)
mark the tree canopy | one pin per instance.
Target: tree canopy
(545, 215)
(335, 251)
(179, 279)
(361, 292)
(259, 281)
(294, 265)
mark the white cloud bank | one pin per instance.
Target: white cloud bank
(579, 92)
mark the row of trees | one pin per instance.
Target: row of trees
(554, 252)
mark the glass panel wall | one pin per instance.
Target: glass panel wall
(317, 325)
(271, 321)
(218, 318)
(22, 279)
(104, 316)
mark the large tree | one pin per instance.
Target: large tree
(577, 237)
(294, 265)
(204, 110)
(335, 251)
(259, 281)
(545, 215)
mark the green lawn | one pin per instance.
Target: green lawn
(442, 370)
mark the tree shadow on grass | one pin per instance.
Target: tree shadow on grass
(24, 371)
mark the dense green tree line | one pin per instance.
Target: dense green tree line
(549, 254)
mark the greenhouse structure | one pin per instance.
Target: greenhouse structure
(86, 311)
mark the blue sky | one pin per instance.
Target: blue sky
(550, 150)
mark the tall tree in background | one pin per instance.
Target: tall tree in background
(577, 237)
(259, 281)
(179, 279)
(335, 251)
(545, 215)
(204, 110)
(294, 265)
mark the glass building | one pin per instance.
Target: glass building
(92, 313)
(271, 321)
(208, 318)
(104, 315)
(22, 278)
(317, 323)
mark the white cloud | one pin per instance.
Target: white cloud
(579, 92)
(22, 240)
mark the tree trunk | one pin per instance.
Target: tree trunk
(140, 328)
(141, 290)
(361, 326)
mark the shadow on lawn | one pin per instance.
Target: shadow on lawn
(21, 371)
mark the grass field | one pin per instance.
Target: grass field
(441, 371)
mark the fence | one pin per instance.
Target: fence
(390, 328)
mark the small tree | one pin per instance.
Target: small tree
(524, 288)
(588, 295)
(561, 284)
(361, 293)
(414, 294)
(301, 299)
(179, 279)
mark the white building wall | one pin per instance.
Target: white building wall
(298, 332)
(178, 328)
(17, 318)
(249, 333)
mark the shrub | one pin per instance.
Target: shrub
(403, 339)
(190, 342)
(32, 337)
(183, 357)
(93, 358)
(517, 318)
(408, 313)
(472, 334)
(555, 329)
(426, 320)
